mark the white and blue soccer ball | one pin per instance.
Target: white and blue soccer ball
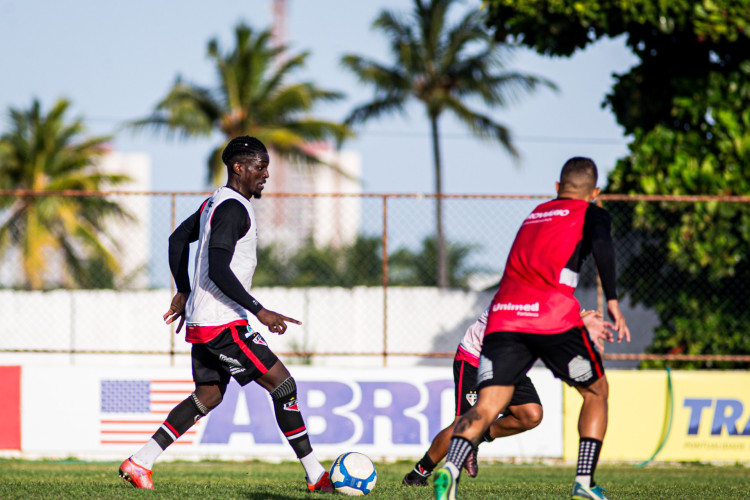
(353, 474)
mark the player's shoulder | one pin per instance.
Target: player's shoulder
(596, 212)
(228, 207)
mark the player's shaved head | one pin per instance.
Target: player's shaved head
(578, 176)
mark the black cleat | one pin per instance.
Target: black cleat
(416, 477)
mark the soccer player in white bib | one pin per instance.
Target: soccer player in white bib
(216, 310)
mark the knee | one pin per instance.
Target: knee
(598, 390)
(529, 416)
(208, 397)
(288, 388)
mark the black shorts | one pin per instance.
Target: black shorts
(465, 379)
(571, 356)
(237, 352)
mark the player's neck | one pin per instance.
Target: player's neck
(235, 187)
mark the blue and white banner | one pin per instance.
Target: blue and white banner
(382, 412)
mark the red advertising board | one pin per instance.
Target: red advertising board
(10, 410)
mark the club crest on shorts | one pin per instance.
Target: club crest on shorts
(579, 369)
(291, 405)
(257, 339)
(472, 398)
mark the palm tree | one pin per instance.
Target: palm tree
(250, 98)
(47, 153)
(442, 66)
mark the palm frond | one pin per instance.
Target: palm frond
(377, 108)
(396, 27)
(274, 82)
(319, 130)
(482, 126)
(187, 110)
(293, 100)
(468, 32)
(385, 79)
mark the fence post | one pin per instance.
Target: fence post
(172, 225)
(385, 280)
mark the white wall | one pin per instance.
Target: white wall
(342, 321)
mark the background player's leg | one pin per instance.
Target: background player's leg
(518, 418)
(283, 389)
(438, 449)
(592, 425)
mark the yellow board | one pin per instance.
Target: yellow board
(636, 415)
(710, 417)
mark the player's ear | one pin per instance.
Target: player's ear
(595, 193)
(557, 187)
(237, 167)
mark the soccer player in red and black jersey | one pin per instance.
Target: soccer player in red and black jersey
(217, 311)
(534, 315)
(524, 410)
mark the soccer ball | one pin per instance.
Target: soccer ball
(353, 474)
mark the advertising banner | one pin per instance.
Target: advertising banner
(10, 409)
(637, 404)
(385, 412)
(695, 416)
(711, 417)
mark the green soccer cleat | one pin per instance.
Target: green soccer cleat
(580, 492)
(445, 484)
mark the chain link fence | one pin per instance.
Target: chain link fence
(85, 273)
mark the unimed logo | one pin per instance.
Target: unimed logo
(509, 306)
(724, 414)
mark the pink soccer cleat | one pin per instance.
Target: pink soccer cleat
(138, 476)
(324, 484)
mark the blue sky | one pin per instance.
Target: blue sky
(115, 60)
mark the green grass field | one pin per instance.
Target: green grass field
(20, 479)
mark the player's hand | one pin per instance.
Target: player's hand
(599, 330)
(623, 332)
(177, 310)
(275, 322)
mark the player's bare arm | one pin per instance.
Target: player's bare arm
(275, 322)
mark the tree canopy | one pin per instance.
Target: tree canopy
(253, 96)
(49, 152)
(360, 263)
(679, 43)
(686, 106)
